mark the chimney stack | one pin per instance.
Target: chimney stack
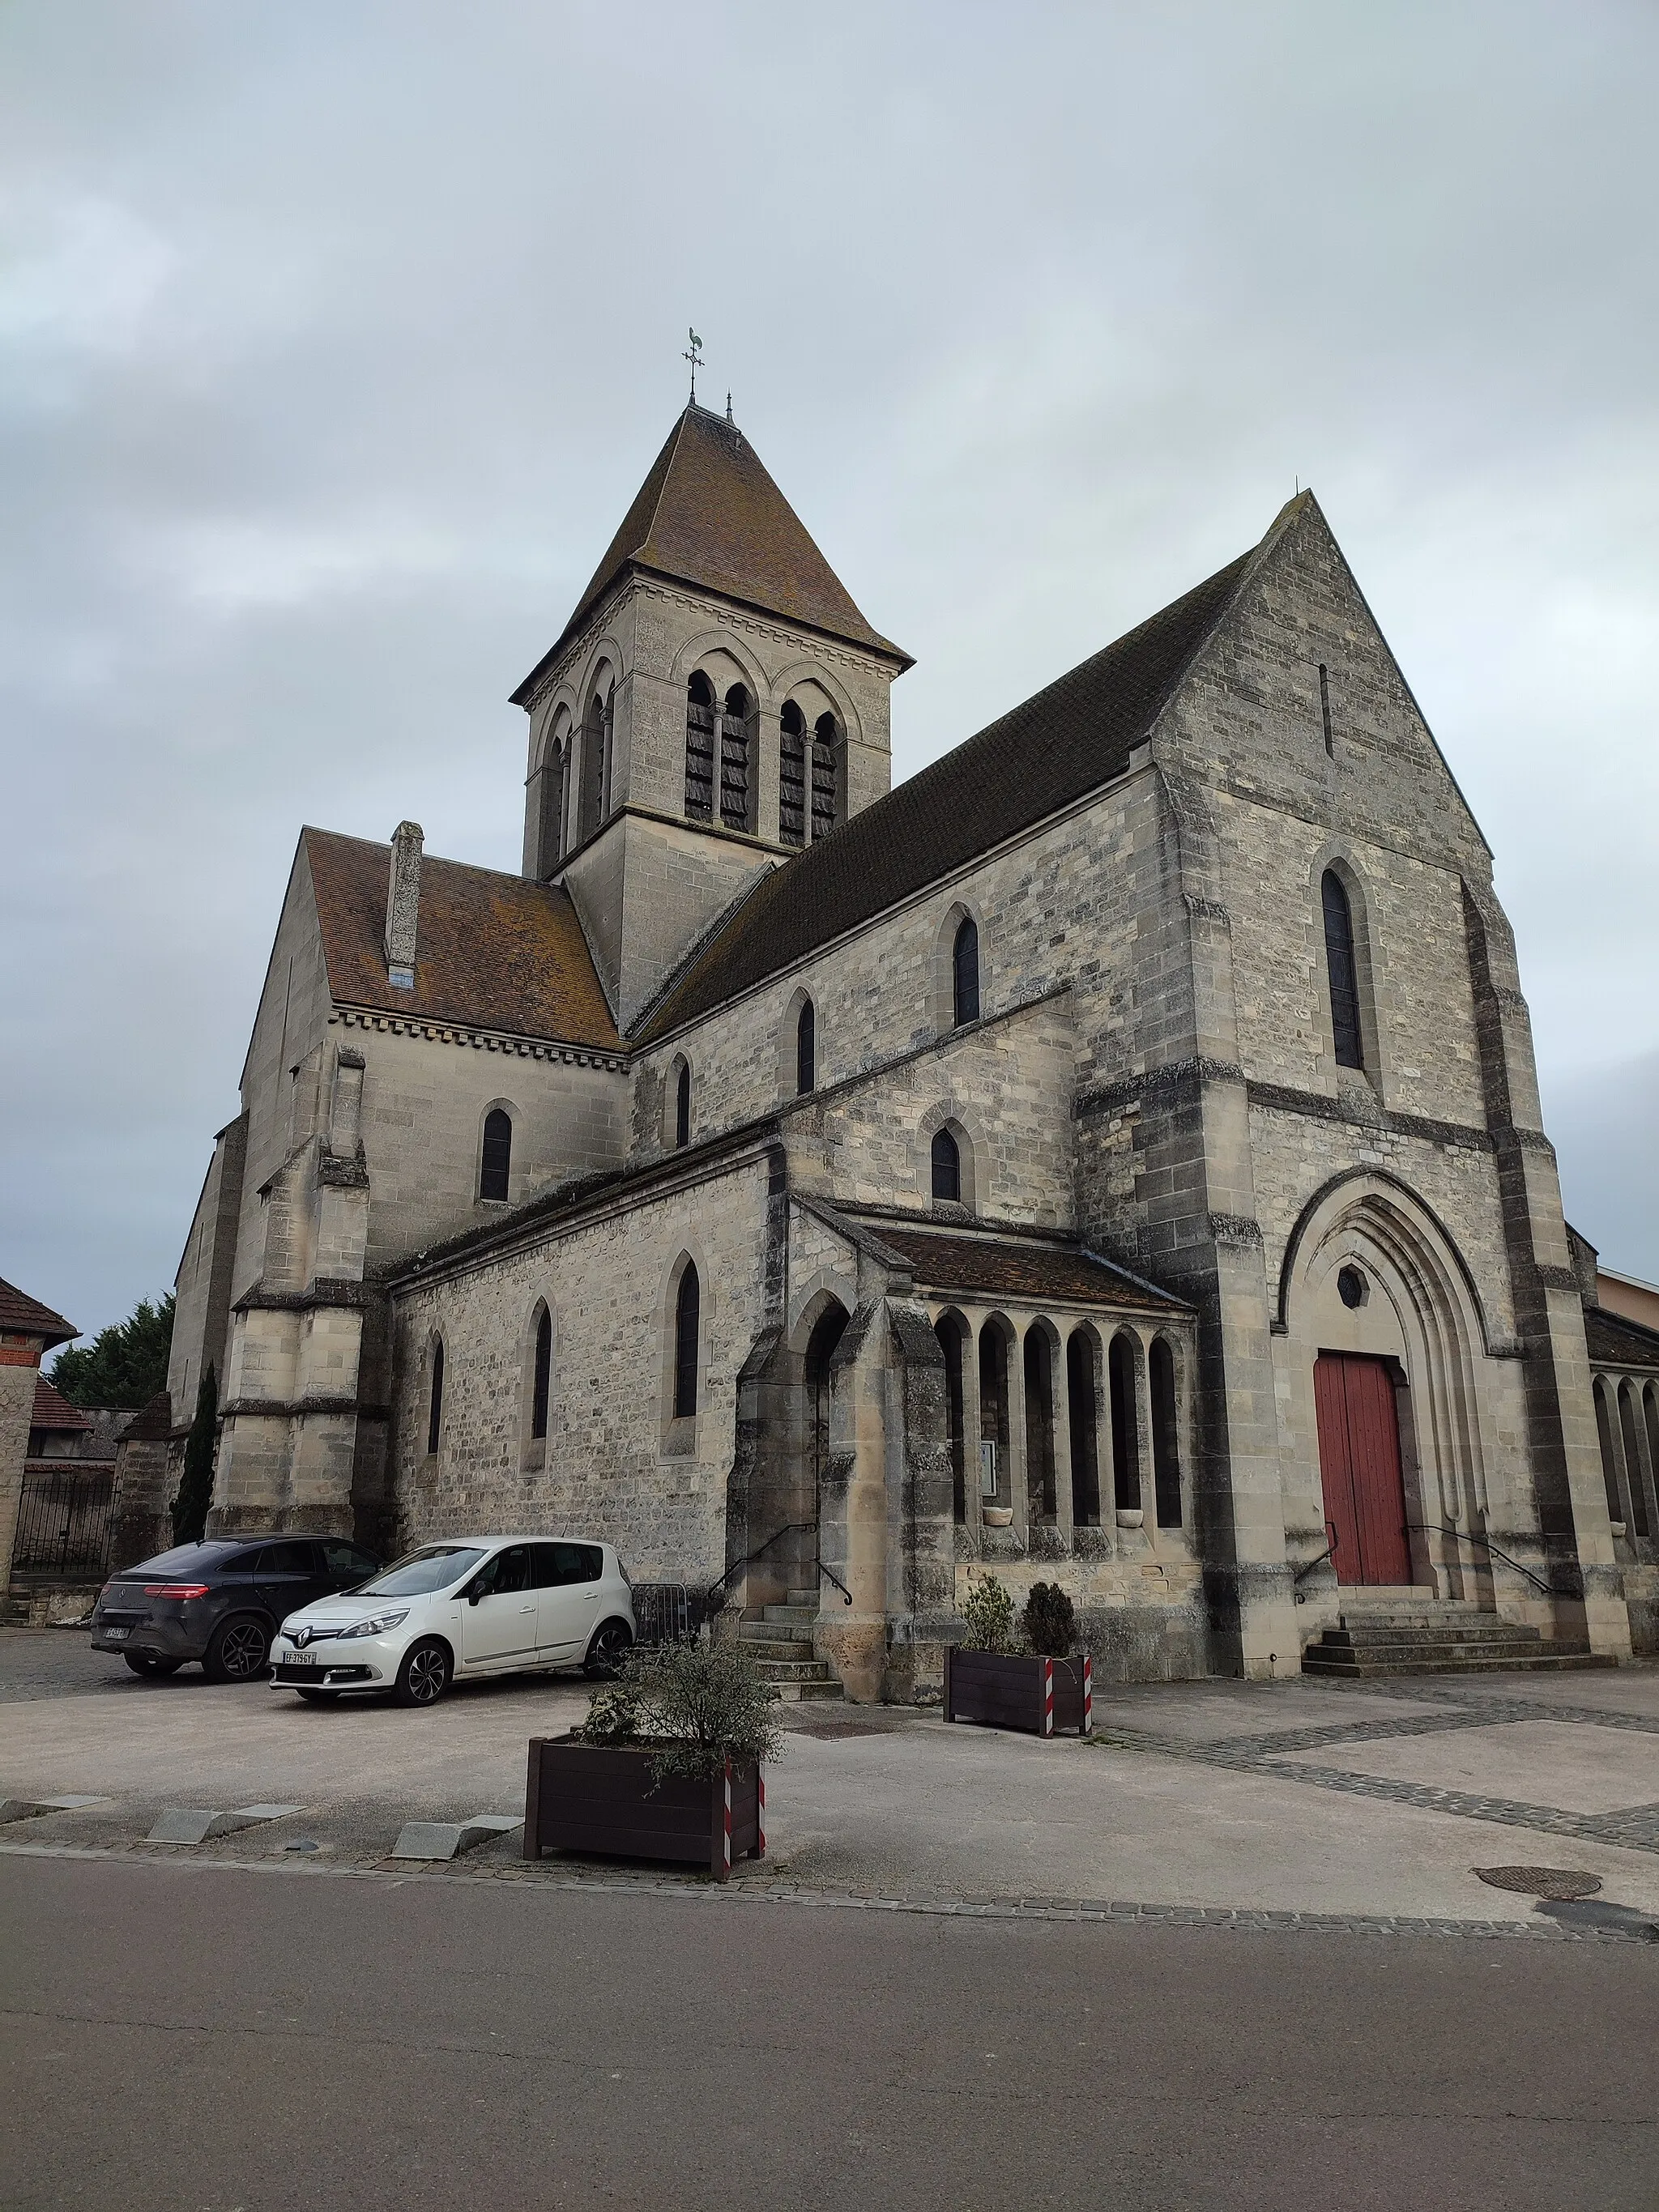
(403, 905)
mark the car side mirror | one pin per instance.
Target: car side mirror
(473, 1596)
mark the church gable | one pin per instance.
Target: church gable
(1297, 701)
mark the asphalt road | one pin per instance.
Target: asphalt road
(187, 2037)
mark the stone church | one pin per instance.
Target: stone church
(1112, 1156)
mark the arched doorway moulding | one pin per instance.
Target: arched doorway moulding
(1429, 1322)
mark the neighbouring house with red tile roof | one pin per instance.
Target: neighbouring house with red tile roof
(1113, 1154)
(28, 1331)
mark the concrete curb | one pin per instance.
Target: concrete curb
(1113, 1913)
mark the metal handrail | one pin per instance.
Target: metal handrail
(789, 1529)
(837, 1580)
(1469, 1536)
(1308, 1566)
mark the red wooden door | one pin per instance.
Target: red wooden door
(1359, 1468)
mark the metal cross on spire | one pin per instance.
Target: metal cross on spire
(694, 355)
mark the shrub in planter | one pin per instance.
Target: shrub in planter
(1037, 1691)
(988, 1611)
(667, 1764)
(1049, 1622)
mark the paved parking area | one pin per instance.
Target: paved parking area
(1303, 1797)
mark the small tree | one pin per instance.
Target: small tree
(989, 1612)
(190, 1507)
(692, 1705)
(1049, 1622)
(125, 1365)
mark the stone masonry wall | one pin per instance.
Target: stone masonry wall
(609, 1471)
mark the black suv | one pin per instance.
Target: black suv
(220, 1602)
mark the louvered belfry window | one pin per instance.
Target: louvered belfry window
(792, 775)
(699, 749)
(824, 776)
(1343, 975)
(734, 760)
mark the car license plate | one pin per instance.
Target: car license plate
(115, 1635)
(301, 1659)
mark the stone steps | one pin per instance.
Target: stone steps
(779, 1638)
(1431, 1636)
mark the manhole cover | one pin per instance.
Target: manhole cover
(1541, 1881)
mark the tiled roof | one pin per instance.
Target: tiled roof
(1613, 1341)
(492, 951)
(709, 514)
(1072, 736)
(53, 1410)
(152, 1422)
(1010, 1267)
(26, 1316)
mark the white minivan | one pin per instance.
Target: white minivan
(471, 1606)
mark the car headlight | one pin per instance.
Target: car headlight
(379, 1624)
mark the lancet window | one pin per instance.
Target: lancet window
(1342, 970)
(699, 749)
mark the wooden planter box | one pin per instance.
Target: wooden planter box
(599, 1797)
(1037, 1697)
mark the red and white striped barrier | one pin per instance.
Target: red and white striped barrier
(760, 1815)
(1088, 1695)
(728, 1816)
(1047, 1697)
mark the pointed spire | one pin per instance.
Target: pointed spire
(709, 515)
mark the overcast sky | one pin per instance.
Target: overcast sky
(335, 338)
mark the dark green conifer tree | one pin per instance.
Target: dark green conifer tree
(190, 1507)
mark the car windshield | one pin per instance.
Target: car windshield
(433, 1567)
(198, 1556)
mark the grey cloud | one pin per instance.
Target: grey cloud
(334, 339)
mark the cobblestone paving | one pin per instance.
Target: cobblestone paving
(1634, 1826)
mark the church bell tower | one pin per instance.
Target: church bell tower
(715, 702)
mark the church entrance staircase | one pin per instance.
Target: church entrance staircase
(1411, 1631)
(779, 1638)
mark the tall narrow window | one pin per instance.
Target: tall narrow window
(1325, 708)
(806, 1049)
(1340, 968)
(434, 1411)
(994, 1414)
(965, 974)
(495, 1168)
(596, 748)
(1039, 1427)
(1080, 1406)
(734, 760)
(552, 831)
(1166, 1461)
(541, 1382)
(947, 1167)
(1638, 1489)
(1126, 1441)
(791, 774)
(1610, 1464)
(688, 1314)
(825, 747)
(699, 749)
(682, 1106)
(949, 1330)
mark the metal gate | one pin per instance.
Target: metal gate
(63, 1523)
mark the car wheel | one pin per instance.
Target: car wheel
(238, 1649)
(610, 1646)
(424, 1675)
(317, 1697)
(144, 1662)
